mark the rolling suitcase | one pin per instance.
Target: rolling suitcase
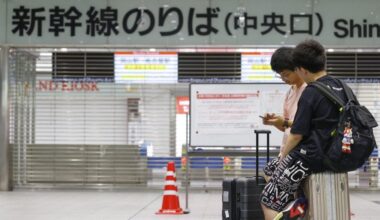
(328, 196)
(229, 199)
(241, 196)
(248, 191)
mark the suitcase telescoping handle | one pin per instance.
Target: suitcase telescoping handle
(258, 132)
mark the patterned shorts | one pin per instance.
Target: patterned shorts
(271, 166)
(285, 181)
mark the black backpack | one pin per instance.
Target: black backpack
(352, 140)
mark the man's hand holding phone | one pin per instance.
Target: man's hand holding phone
(267, 118)
(272, 119)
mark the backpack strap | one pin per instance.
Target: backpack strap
(349, 94)
(326, 91)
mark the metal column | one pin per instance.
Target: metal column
(5, 151)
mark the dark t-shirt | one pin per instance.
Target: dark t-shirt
(315, 119)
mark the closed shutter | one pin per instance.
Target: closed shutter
(72, 125)
(69, 129)
(209, 66)
(83, 65)
(353, 64)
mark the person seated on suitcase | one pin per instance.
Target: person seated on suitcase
(310, 133)
(281, 63)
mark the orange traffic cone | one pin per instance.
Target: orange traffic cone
(170, 201)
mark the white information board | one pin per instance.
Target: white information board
(256, 68)
(224, 115)
(146, 67)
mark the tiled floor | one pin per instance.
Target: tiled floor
(113, 205)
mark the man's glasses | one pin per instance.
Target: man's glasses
(283, 74)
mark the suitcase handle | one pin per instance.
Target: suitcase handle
(258, 132)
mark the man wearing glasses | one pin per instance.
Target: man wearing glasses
(282, 64)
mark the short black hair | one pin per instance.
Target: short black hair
(282, 60)
(310, 55)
